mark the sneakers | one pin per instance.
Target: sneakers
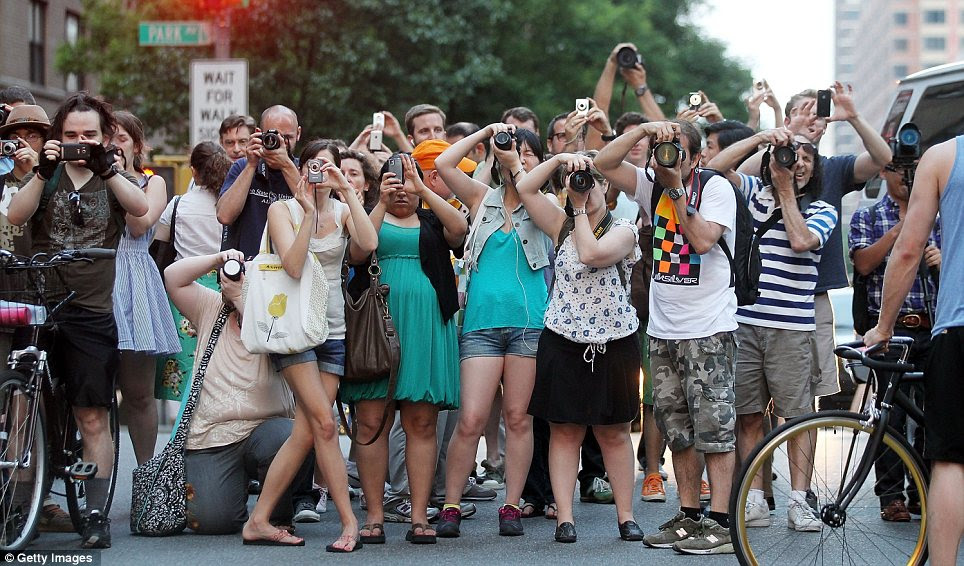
(322, 505)
(53, 519)
(757, 514)
(305, 512)
(895, 511)
(653, 489)
(494, 476)
(705, 493)
(676, 529)
(510, 521)
(96, 531)
(599, 492)
(475, 492)
(801, 518)
(467, 509)
(812, 501)
(398, 510)
(711, 539)
(449, 521)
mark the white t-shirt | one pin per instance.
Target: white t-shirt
(197, 230)
(690, 296)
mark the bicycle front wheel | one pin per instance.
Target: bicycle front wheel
(23, 462)
(858, 535)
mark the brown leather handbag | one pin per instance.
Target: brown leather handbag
(372, 349)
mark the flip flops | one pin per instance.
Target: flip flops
(373, 538)
(551, 512)
(276, 539)
(346, 539)
(530, 510)
(423, 538)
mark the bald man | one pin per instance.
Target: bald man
(256, 180)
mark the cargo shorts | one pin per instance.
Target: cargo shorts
(693, 395)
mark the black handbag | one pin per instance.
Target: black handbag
(163, 252)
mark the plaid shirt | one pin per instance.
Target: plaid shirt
(863, 234)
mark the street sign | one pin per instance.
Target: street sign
(219, 88)
(156, 34)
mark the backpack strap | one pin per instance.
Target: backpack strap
(50, 187)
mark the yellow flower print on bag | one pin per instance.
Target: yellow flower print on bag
(276, 308)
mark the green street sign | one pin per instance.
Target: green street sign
(155, 34)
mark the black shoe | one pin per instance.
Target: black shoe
(510, 521)
(448, 523)
(630, 531)
(96, 531)
(566, 532)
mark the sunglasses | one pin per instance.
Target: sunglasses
(807, 147)
(76, 215)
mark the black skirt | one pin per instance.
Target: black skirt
(568, 389)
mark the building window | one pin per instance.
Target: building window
(933, 16)
(72, 81)
(934, 43)
(900, 18)
(36, 35)
(900, 44)
(850, 15)
(900, 71)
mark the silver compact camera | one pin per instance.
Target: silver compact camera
(9, 147)
(315, 174)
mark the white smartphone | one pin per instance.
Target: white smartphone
(378, 121)
(375, 140)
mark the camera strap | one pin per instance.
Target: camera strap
(50, 187)
(599, 231)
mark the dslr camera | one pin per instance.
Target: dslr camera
(668, 154)
(9, 147)
(503, 141)
(74, 152)
(627, 57)
(785, 156)
(905, 146)
(271, 140)
(232, 269)
(581, 181)
(315, 174)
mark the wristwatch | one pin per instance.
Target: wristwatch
(676, 193)
(578, 211)
(610, 137)
(641, 90)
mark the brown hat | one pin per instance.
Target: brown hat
(25, 116)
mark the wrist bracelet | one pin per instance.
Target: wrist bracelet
(578, 212)
(521, 169)
(111, 173)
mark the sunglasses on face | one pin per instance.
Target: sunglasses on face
(806, 146)
(76, 215)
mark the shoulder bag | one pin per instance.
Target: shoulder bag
(164, 252)
(158, 491)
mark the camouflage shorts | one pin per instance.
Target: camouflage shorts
(693, 391)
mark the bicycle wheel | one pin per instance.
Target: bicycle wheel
(862, 537)
(75, 489)
(23, 462)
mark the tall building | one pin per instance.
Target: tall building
(30, 33)
(881, 41)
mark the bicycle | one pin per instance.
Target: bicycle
(39, 440)
(846, 446)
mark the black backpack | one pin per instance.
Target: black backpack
(745, 264)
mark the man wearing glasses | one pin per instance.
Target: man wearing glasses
(258, 179)
(80, 204)
(27, 124)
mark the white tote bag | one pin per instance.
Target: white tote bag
(283, 315)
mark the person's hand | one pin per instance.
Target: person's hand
(392, 128)
(844, 108)
(573, 162)
(417, 186)
(389, 186)
(598, 119)
(803, 117)
(658, 131)
(612, 54)
(48, 159)
(227, 255)
(770, 98)
(361, 141)
(932, 256)
(99, 163)
(337, 181)
(25, 155)
(876, 335)
(573, 126)
(509, 158)
(276, 158)
(775, 136)
(687, 114)
(254, 150)
(709, 110)
(782, 180)
(754, 101)
(305, 195)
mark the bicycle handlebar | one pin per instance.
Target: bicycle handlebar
(43, 259)
(855, 351)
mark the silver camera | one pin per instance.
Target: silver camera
(696, 100)
(9, 147)
(582, 106)
(315, 174)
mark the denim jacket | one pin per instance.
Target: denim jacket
(535, 243)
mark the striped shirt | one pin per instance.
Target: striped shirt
(787, 278)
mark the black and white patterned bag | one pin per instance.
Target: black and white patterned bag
(158, 493)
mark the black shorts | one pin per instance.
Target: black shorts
(82, 352)
(943, 391)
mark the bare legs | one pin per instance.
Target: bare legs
(945, 512)
(135, 376)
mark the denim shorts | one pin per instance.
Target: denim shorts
(330, 356)
(498, 342)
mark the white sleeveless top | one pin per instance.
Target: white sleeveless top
(330, 251)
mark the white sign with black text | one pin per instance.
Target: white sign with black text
(219, 88)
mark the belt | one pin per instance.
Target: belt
(914, 321)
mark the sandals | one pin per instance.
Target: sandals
(345, 539)
(552, 512)
(279, 538)
(373, 538)
(423, 538)
(530, 510)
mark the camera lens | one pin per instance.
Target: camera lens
(909, 136)
(503, 141)
(271, 140)
(233, 269)
(314, 166)
(8, 148)
(581, 181)
(696, 99)
(785, 156)
(627, 57)
(667, 154)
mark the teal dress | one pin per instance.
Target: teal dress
(429, 370)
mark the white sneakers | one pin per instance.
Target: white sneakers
(801, 518)
(757, 514)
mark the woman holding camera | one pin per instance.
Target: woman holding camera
(587, 368)
(414, 247)
(359, 169)
(506, 301)
(322, 230)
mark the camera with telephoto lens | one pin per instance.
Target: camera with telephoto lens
(627, 57)
(232, 269)
(9, 147)
(315, 174)
(503, 141)
(785, 156)
(905, 146)
(668, 154)
(74, 152)
(271, 140)
(581, 181)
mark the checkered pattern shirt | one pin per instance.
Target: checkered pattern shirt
(863, 234)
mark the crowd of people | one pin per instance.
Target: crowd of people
(548, 288)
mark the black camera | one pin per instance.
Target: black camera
(74, 152)
(9, 147)
(315, 174)
(503, 141)
(668, 154)
(627, 57)
(232, 269)
(271, 140)
(906, 145)
(581, 181)
(785, 156)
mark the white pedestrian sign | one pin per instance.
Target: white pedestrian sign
(219, 88)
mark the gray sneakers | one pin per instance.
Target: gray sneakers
(712, 538)
(676, 529)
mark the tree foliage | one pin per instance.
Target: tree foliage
(336, 61)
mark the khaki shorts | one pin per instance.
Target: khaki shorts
(828, 382)
(693, 391)
(777, 364)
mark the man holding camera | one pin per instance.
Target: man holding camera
(692, 319)
(265, 174)
(26, 127)
(78, 204)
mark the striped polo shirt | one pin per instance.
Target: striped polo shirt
(787, 278)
